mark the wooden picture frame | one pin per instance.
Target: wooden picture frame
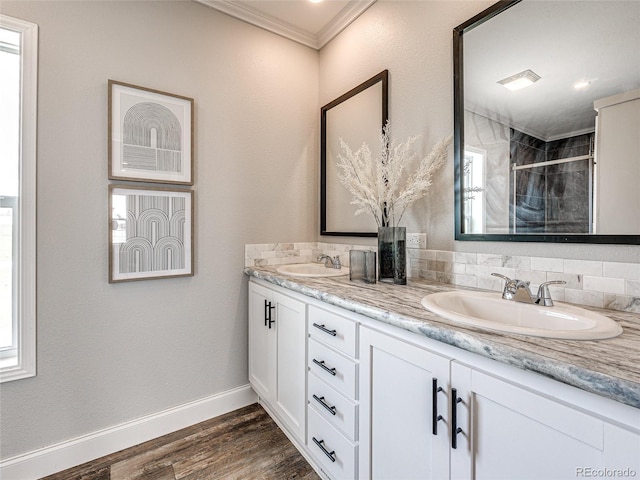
(150, 135)
(150, 233)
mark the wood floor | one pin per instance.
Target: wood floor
(244, 444)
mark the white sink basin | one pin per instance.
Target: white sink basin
(488, 310)
(311, 270)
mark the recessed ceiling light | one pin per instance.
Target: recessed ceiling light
(315, 1)
(579, 85)
(520, 80)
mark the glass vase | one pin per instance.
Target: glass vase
(392, 255)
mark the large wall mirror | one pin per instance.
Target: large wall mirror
(547, 122)
(357, 116)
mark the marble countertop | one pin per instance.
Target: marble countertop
(610, 367)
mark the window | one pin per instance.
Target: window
(18, 93)
(474, 201)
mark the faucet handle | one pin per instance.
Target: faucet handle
(544, 296)
(336, 262)
(505, 278)
(509, 286)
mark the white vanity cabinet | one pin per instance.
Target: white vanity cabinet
(277, 349)
(404, 410)
(510, 431)
(367, 400)
(488, 423)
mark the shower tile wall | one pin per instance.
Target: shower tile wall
(555, 198)
(530, 198)
(568, 193)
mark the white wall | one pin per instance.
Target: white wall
(112, 353)
(413, 39)
(617, 163)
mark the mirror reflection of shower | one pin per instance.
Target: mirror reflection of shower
(552, 184)
(562, 155)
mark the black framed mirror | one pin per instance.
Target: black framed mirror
(357, 116)
(559, 160)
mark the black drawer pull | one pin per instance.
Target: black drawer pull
(320, 400)
(332, 371)
(333, 333)
(455, 430)
(435, 418)
(330, 454)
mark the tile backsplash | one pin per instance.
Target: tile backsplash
(613, 285)
(270, 254)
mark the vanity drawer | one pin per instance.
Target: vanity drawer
(334, 453)
(332, 406)
(333, 367)
(332, 329)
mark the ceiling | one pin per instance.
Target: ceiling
(563, 42)
(311, 24)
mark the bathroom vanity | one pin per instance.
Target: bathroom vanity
(369, 384)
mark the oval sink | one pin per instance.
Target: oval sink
(311, 270)
(489, 310)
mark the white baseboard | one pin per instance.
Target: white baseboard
(76, 451)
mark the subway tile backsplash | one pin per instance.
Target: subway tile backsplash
(613, 285)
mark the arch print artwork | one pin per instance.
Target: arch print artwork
(151, 234)
(150, 135)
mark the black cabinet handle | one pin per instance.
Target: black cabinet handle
(333, 333)
(330, 454)
(435, 418)
(320, 400)
(320, 363)
(267, 314)
(455, 430)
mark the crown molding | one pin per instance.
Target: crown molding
(341, 21)
(243, 12)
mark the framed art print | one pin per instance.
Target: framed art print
(151, 233)
(150, 135)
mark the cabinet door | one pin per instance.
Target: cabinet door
(290, 329)
(510, 432)
(397, 439)
(622, 450)
(262, 342)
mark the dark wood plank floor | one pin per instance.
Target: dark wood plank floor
(244, 444)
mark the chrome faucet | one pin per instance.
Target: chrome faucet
(523, 293)
(330, 262)
(519, 291)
